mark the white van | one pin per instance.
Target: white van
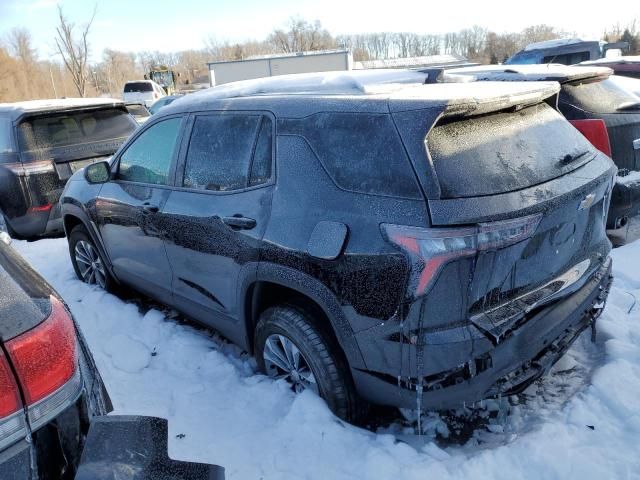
(145, 91)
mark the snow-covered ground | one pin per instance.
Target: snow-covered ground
(581, 422)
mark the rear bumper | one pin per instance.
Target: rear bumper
(625, 201)
(508, 367)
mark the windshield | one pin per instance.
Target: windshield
(163, 102)
(131, 87)
(606, 96)
(630, 84)
(164, 78)
(74, 128)
(523, 58)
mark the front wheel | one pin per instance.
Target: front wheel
(87, 261)
(290, 346)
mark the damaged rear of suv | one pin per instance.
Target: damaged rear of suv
(380, 239)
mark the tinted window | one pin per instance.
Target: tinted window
(148, 158)
(6, 143)
(138, 110)
(138, 87)
(567, 58)
(606, 96)
(505, 151)
(362, 153)
(223, 149)
(63, 130)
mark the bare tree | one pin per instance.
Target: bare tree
(301, 36)
(74, 49)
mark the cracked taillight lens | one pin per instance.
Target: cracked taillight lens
(431, 248)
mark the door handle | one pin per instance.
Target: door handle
(239, 222)
(148, 208)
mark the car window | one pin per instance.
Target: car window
(138, 87)
(6, 144)
(361, 152)
(223, 149)
(148, 158)
(567, 58)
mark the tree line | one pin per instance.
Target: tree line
(24, 76)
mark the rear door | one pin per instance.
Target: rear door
(128, 207)
(218, 211)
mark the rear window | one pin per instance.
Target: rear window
(74, 128)
(505, 151)
(138, 110)
(567, 58)
(606, 96)
(138, 87)
(362, 153)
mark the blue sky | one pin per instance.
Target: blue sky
(134, 25)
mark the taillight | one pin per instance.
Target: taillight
(12, 420)
(9, 393)
(40, 208)
(45, 360)
(595, 130)
(431, 248)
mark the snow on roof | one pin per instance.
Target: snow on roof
(424, 61)
(558, 42)
(528, 73)
(321, 83)
(609, 60)
(58, 104)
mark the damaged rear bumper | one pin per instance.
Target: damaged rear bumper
(504, 368)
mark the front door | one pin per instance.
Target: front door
(129, 208)
(218, 213)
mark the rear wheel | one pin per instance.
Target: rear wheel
(289, 345)
(87, 261)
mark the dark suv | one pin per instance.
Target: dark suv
(42, 143)
(601, 108)
(363, 235)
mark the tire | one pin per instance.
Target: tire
(82, 247)
(318, 350)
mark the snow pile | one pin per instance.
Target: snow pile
(583, 422)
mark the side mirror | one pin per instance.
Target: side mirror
(97, 172)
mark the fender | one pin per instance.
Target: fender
(319, 293)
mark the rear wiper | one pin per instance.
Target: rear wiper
(628, 106)
(568, 158)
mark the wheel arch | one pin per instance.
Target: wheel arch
(277, 285)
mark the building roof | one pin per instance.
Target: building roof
(254, 58)
(532, 73)
(17, 109)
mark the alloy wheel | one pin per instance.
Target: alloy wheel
(89, 263)
(283, 359)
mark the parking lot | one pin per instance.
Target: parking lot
(221, 411)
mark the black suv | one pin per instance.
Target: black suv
(602, 109)
(364, 235)
(42, 143)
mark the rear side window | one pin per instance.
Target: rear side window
(362, 153)
(228, 152)
(148, 158)
(132, 87)
(567, 58)
(82, 127)
(606, 96)
(505, 151)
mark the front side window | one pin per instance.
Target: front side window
(148, 158)
(228, 152)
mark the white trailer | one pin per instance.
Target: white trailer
(272, 65)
